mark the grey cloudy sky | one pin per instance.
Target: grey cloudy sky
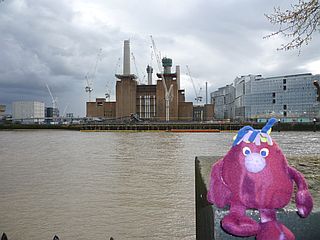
(56, 42)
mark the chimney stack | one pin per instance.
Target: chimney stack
(178, 76)
(167, 64)
(126, 57)
(149, 71)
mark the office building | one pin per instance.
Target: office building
(28, 111)
(290, 98)
(223, 100)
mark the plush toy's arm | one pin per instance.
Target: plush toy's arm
(218, 194)
(304, 200)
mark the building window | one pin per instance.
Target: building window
(284, 113)
(273, 101)
(284, 81)
(284, 88)
(285, 107)
(273, 94)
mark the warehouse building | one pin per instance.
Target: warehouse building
(28, 111)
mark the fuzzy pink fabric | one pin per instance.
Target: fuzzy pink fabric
(247, 179)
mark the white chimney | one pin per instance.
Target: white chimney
(149, 71)
(178, 76)
(126, 57)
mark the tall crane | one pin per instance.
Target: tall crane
(54, 101)
(198, 98)
(90, 77)
(167, 92)
(137, 71)
(108, 85)
(65, 110)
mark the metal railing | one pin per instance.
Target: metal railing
(55, 237)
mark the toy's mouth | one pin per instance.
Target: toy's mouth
(255, 163)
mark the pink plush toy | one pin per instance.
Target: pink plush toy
(255, 175)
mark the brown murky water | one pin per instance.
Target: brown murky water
(121, 184)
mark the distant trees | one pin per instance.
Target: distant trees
(299, 23)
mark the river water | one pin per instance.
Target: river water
(128, 185)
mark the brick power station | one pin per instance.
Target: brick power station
(148, 102)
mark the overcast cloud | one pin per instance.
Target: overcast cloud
(57, 42)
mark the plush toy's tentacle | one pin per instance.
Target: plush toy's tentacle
(269, 125)
(218, 194)
(267, 215)
(237, 223)
(274, 230)
(304, 200)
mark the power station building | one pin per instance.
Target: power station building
(159, 101)
(2, 110)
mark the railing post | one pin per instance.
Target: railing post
(4, 236)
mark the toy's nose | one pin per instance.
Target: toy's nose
(254, 162)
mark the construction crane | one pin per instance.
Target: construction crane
(54, 103)
(88, 87)
(65, 110)
(117, 66)
(198, 98)
(108, 87)
(90, 77)
(167, 92)
(137, 71)
(54, 100)
(108, 93)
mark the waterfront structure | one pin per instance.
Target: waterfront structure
(101, 109)
(242, 88)
(28, 111)
(223, 100)
(2, 110)
(203, 112)
(51, 114)
(290, 98)
(148, 102)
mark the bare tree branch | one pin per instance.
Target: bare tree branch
(299, 23)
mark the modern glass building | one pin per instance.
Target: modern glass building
(223, 100)
(242, 89)
(290, 98)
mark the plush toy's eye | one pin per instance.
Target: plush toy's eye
(246, 151)
(264, 152)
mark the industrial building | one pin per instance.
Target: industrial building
(162, 100)
(28, 111)
(2, 110)
(290, 98)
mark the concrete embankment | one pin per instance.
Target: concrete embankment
(208, 217)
